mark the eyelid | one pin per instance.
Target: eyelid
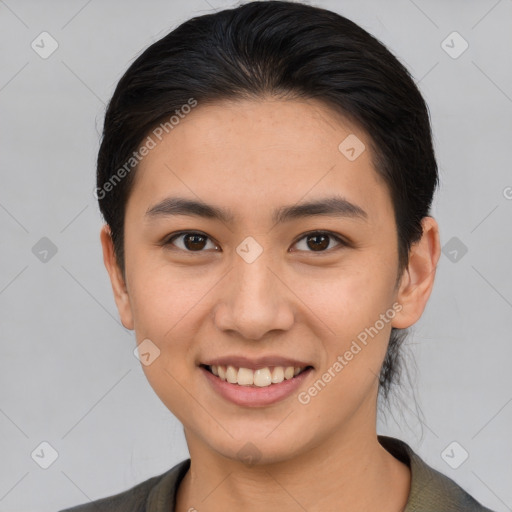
(168, 240)
(341, 241)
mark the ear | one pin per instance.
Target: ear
(116, 278)
(418, 278)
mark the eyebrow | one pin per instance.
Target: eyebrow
(333, 206)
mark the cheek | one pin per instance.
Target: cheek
(350, 297)
(356, 343)
(349, 305)
(161, 296)
(164, 309)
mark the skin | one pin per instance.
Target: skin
(250, 157)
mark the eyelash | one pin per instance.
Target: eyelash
(341, 242)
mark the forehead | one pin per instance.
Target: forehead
(253, 153)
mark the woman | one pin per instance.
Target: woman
(266, 175)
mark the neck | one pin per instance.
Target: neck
(347, 470)
(350, 472)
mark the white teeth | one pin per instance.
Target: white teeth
(261, 377)
(288, 373)
(277, 374)
(231, 374)
(245, 377)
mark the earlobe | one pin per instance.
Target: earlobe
(116, 278)
(418, 279)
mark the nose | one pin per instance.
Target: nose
(255, 300)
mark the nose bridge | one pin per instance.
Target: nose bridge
(256, 301)
(254, 279)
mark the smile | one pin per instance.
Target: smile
(258, 387)
(261, 377)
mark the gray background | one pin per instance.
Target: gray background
(68, 375)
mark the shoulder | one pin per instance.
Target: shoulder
(143, 497)
(430, 489)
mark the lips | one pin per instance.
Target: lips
(254, 395)
(256, 381)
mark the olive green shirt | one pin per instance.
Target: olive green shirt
(431, 491)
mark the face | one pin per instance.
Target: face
(263, 278)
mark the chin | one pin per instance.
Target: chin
(254, 448)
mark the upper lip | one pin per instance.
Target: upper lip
(255, 363)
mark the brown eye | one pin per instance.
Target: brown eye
(194, 242)
(318, 241)
(191, 242)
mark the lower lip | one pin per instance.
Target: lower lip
(254, 396)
